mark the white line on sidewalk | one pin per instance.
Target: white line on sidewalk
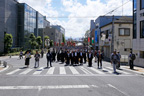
(73, 70)
(51, 70)
(62, 70)
(26, 71)
(13, 71)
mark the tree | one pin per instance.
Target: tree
(51, 43)
(39, 41)
(8, 41)
(46, 37)
(63, 38)
(32, 41)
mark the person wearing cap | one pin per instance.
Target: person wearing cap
(114, 61)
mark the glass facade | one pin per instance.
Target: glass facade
(141, 4)
(134, 19)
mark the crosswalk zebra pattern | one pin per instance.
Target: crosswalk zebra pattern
(66, 71)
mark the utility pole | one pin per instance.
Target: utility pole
(112, 42)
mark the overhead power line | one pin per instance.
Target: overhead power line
(117, 8)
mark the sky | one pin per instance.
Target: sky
(75, 15)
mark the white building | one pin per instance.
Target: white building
(123, 33)
(138, 37)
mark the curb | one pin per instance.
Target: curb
(4, 69)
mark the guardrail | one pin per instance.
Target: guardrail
(4, 63)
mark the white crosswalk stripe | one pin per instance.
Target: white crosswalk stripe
(85, 70)
(51, 70)
(97, 71)
(62, 70)
(81, 70)
(13, 71)
(73, 70)
(109, 71)
(37, 72)
(118, 70)
(26, 71)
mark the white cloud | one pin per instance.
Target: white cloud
(76, 27)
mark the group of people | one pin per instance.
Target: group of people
(77, 57)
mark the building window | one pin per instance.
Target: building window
(142, 29)
(141, 4)
(107, 34)
(134, 19)
(141, 54)
(124, 32)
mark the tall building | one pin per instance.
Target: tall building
(138, 31)
(95, 31)
(8, 21)
(26, 24)
(59, 28)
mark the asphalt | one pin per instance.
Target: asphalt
(56, 84)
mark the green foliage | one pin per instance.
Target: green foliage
(51, 43)
(39, 41)
(32, 41)
(46, 37)
(8, 41)
(63, 38)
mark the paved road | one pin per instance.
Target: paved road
(61, 80)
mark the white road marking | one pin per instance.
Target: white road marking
(62, 70)
(117, 89)
(44, 87)
(109, 71)
(13, 71)
(51, 70)
(26, 71)
(38, 71)
(118, 70)
(85, 70)
(73, 70)
(96, 70)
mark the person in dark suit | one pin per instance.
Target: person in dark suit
(72, 58)
(90, 57)
(84, 56)
(62, 56)
(81, 58)
(67, 58)
(78, 52)
(49, 58)
(76, 57)
(53, 55)
(99, 57)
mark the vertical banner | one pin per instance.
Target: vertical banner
(96, 39)
(88, 39)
